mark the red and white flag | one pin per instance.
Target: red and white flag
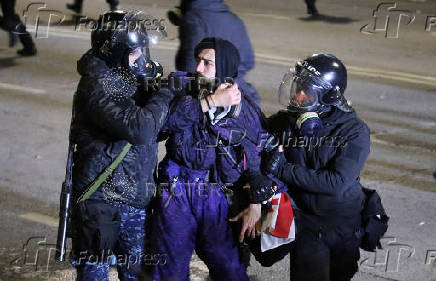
(278, 226)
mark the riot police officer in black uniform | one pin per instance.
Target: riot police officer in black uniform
(111, 111)
(324, 148)
(11, 23)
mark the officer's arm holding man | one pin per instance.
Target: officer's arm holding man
(333, 179)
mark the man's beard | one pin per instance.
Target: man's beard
(206, 83)
(204, 79)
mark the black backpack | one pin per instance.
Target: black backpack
(374, 221)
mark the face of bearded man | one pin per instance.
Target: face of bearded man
(206, 64)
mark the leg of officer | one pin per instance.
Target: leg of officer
(93, 272)
(310, 257)
(344, 244)
(130, 248)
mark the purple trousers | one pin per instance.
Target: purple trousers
(192, 215)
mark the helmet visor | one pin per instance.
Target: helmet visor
(301, 90)
(137, 59)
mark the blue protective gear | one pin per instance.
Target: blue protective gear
(129, 251)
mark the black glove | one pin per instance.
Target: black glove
(261, 188)
(272, 162)
(271, 144)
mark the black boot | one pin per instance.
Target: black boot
(312, 11)
(113, 5)
(114, 8)
(311, 8)
(29, 47)
(12, 39)
(75, 7)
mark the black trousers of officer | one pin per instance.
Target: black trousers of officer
(11, 22)
(321, 253)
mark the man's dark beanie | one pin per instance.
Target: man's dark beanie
(227, 57)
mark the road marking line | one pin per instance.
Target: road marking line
(76, 35)
(361, 71)
(21, 88)
(279, 60)
(35, 217)
(269, 16)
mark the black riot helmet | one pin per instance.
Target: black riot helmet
(316, 84)
(119, 34)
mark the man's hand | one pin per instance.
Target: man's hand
(225, 95)
(250, 221)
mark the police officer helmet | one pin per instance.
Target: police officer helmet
(119, 34)
(316, 84)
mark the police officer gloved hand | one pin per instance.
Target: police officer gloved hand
(272, 162)
(261, 188)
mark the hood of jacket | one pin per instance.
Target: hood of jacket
(336, 116)
(116, 82)
(91, 65)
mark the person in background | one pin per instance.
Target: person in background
(311, 8)
(11, 23)
(213, 18)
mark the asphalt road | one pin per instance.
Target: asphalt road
(392, 85)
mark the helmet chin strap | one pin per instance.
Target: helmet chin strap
(344, 105)
(322, 109)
